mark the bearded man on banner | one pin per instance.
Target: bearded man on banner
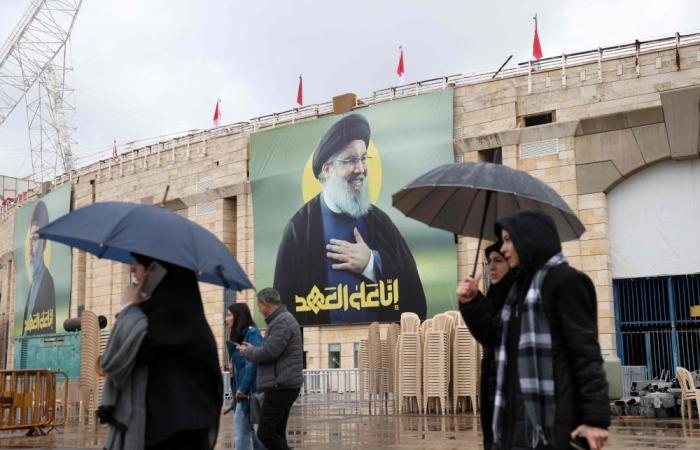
(342, 259)
(40, 309)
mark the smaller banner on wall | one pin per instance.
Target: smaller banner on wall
(42, 268)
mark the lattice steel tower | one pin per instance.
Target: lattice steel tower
(34, 64)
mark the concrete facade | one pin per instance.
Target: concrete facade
(612, 119)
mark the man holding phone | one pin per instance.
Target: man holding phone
(279, 363)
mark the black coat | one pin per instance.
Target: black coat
(301, 262)
(487, 306)
(569, 303)
(185, 388)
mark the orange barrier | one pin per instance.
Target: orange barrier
(28, 400)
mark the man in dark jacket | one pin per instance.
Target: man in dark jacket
(551, 386)
(501, 280)
(279, 362)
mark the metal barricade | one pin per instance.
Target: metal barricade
(347, 391)
(28, 400)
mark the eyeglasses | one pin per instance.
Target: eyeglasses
(353, 161)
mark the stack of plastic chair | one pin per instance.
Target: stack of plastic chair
(363, 363)
(409, 365)
(436, 356)
(374, 345)
(435, 381)
(465, 372)
(392, 339)
(89, 352)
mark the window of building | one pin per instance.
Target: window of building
(491, 155)
(538, 119)
(356, 354)
(334, 356)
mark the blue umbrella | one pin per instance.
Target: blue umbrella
(114, 230)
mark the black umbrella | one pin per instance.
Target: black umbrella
(464, 198)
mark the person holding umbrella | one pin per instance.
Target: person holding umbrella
(163, 387)
(501, 280)
(551, 388)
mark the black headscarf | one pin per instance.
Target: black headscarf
(185, 388)
(534, 236)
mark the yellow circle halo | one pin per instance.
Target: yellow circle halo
(311, 187)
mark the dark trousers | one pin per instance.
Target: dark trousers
(272, 429)
(184, 440)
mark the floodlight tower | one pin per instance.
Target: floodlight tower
(34, 64)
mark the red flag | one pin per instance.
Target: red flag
(536, 48)
(217, 112)
(114, 150)
(300, 93)
(400, 69)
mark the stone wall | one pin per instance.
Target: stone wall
(486, 115)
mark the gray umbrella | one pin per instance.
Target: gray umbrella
(468, 198)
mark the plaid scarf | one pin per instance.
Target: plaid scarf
(534, 362)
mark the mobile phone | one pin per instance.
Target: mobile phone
(579, 443)
(156, 273)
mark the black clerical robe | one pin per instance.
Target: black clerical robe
(42, 318)
(301, 263)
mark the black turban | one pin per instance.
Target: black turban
(350, 128)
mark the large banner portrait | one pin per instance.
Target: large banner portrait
(42, 268)
(326, 235)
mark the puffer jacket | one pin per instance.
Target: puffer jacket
(245, 371)
(279, 360)
(569, 303)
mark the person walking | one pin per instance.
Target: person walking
(163, 388)
(501, 280)
(551, 387)
(280, 366)
(242, 328)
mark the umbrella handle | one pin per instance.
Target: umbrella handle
(481, 230)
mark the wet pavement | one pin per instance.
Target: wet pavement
(314, 427)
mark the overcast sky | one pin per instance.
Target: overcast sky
(144, 68)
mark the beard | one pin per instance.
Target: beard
(354, 203)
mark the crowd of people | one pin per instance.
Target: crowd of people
(542, 386)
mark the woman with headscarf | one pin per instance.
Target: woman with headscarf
(551, 387)
(242, 328)
(163, 387)
(488, 305)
